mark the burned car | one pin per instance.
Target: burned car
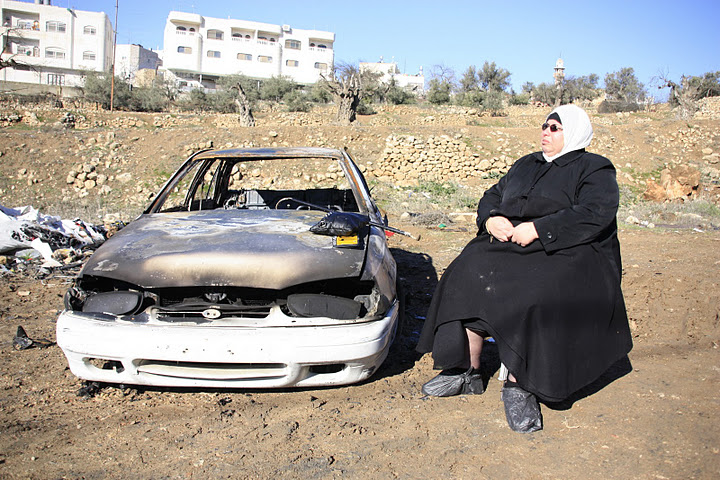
(252, 268)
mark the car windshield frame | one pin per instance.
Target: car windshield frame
(203, 161)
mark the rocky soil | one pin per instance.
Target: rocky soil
(659, 421)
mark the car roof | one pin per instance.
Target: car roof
(251, 154)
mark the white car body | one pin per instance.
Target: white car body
(226, 291)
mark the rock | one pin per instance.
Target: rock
(654, 193)
(680, 181)
(124, 177)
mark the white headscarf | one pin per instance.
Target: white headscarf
(577, 130)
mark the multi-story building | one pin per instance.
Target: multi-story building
(390, 71)
(198, 50)
(52, 45)
(133, 61)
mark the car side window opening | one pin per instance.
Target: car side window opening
(191, 190)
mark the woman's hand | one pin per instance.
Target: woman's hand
(500, 228)
(524, 234)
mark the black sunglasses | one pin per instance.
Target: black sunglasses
(554, 127)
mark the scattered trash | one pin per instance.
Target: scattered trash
(21, 341)
(32, 242)
(442, 225)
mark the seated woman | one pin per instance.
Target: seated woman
(542, 277)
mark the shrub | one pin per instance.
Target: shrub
(612, 106)
(297, 101)
(439, 91)
(275, 88)
(520, 99)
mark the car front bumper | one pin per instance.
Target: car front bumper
(223, 356)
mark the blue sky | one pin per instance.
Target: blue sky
(524, 37)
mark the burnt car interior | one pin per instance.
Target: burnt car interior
(230, 183)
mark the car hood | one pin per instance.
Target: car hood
(245, 248)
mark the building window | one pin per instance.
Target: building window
(244, 56)
(54, 26)
(215, 34)
(24, 24)
(89, 56)
(180, 29)
(191, 30)
(264, 59)
(187, 50)
(56, 79)
(291, 63)
(321, 66)
(320, 45)
(54, 52)
(294, 44)
(213, 54)
(312, 44)
(89, 30)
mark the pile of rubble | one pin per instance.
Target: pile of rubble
(84, 177)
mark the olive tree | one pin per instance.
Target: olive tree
(623, 86)
(346, 86)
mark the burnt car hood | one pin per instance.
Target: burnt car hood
(245, 248)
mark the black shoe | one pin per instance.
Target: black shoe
(521, 409)
(455, 381)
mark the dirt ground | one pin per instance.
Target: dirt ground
(654, 417)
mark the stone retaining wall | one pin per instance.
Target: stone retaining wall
(408, 159)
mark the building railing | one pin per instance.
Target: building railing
(318, 49)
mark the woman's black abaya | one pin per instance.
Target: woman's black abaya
(554, 307)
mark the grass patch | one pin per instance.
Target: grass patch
(426, 197)
(700, 214)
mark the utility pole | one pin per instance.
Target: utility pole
(112, 62)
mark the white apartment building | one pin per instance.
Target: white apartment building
(390, 71)
(198, 50)
(52, 45)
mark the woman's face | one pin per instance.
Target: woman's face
(552, 142)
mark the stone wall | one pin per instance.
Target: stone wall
(408, 159)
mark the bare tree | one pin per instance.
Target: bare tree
(345, 85)
(7, 58)
(443, 74)
(683, 96)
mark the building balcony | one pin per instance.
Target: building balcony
(183, 17)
